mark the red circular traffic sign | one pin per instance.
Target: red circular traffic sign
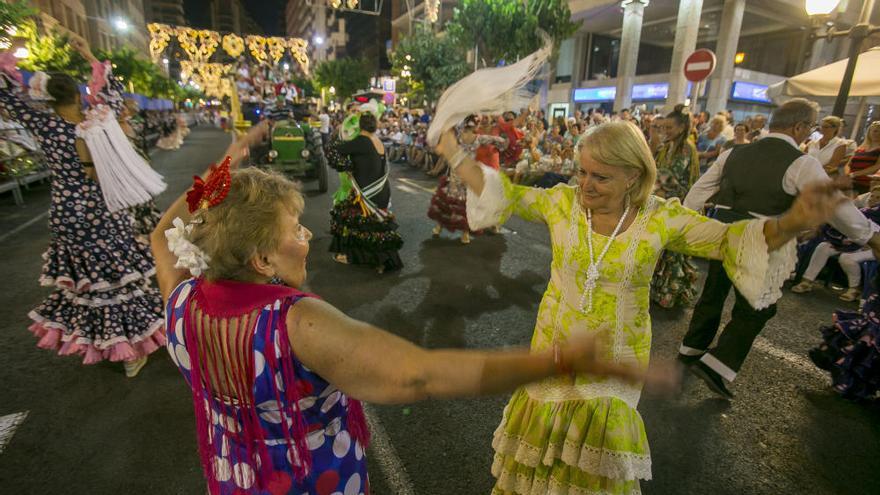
(699, 65)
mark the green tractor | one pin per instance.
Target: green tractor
(295, 149)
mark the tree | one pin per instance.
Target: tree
(13, 14)
(346, 75)
(509, 30)
(50, 52)
(428, 62)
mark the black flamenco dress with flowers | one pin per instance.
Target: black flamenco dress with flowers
(851, 351)
(362, 226)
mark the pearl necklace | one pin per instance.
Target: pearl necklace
(595, 263)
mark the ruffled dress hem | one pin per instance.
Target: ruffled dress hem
(55, 336)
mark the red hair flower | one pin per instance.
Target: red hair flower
(211, 192)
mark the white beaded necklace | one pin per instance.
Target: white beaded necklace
(595, 263)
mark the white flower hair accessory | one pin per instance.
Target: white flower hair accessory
(189, 256)
(37, 86)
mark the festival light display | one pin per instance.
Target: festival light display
(199, 45)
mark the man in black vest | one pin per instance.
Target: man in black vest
(757, 180)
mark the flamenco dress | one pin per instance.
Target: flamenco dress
(361, 223)
(103, 305)
(851, 351)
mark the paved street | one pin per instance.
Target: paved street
(89, 430)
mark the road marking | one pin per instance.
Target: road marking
(387, 458)
(8, 425)
(799, 362)
(23, 226)
(415, 184)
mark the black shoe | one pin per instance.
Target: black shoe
(712, 379)
(687, 360)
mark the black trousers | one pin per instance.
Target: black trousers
(742, 329)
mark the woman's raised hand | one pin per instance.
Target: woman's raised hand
(448, 144)
(83, 49)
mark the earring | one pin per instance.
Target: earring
(275, 280)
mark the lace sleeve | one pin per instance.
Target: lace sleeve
(337, 159)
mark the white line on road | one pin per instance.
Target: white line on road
(8, 425)
(799, 362)
(415, 184)
(387, 458)
(23, 226)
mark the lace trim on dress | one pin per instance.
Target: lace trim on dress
(760, 273)
(556, 391)
(85, 284)
(641, 224)
(529, 485)
(613, 464)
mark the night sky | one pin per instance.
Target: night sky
(268, 13)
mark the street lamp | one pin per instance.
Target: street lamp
(332, 90)
(121, 24)
(820, 7)
(856, 34)
(318, 40)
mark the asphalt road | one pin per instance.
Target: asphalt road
(89, 430)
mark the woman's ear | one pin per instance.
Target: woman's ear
(260, 264)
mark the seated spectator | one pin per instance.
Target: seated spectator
(849, 254)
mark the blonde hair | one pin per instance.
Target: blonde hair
(867, 144)
(622, 144)
(246, 223)
(837, 122)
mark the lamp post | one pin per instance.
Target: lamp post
(856, 34)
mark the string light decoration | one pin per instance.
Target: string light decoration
(198, 44)
(336, 3)
(352, 4)
(233, 45)
(299, 49)
(160, 36)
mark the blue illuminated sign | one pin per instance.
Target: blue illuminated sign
(749, 92)
(645, 91)
(604, 93)
(650, 91)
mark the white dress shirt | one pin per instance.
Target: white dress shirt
(805, 170)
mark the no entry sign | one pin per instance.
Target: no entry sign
(699, 65)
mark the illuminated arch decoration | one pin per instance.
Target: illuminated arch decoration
(299, 50)
(233, 45)
(198, 44)
(160, 36)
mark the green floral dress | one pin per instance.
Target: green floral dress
(675, 279)
(587, 437)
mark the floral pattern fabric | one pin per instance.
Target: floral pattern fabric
(675, 279)
(587, 437)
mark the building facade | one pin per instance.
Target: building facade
(315, 21)
(403, 18)
(164, 12)
(230, 16)
(105, 34)
(632, 52)
(64, 16)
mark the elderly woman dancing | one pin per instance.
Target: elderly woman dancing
(274, 371)
(585, 435)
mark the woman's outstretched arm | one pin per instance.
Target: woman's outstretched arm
(371, 364)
